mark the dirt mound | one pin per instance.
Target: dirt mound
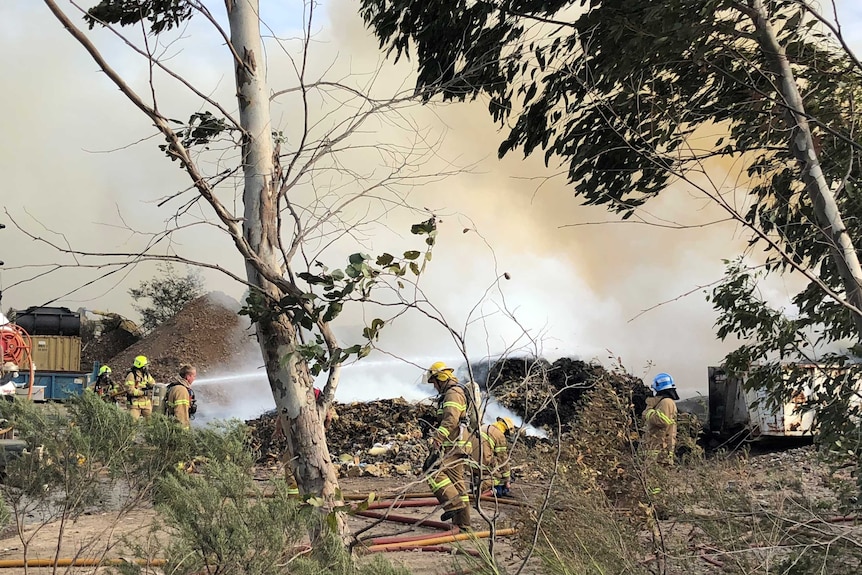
(207, 333)
(540, 391)
(379, 438)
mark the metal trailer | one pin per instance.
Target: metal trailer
(735, 411)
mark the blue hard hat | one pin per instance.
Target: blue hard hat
(662, 381)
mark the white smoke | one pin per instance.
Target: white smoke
(573, 290)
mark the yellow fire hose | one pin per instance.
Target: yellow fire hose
(438, 540)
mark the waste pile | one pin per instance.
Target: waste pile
(384, 437)
(378, 438)
(207, 333)
(547, 394)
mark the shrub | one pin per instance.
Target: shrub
(168, 295)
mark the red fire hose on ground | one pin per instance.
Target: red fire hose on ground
(427, 542)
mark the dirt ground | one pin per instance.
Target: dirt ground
(90, 535)
(774, 478)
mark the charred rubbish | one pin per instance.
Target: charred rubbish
(548, 394)
(377, 438)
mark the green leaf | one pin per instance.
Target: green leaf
(332, 311)
(414, 268)
(385, 259)
(332, 522)
(426, 227)
(411, 255)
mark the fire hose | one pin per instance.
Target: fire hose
(426, 543)
(17, 345)
(15, 342)
(77, 562)
(432, 542)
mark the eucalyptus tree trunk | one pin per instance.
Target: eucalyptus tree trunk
(802, 146)
(289, 378)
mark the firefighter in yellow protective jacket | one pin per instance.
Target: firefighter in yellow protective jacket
(139, 385)
(452, 443)
(108, 389)
(660, 420)
(104, 386)
(493, 460)
(180, 400)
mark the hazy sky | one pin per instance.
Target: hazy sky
(80, 165)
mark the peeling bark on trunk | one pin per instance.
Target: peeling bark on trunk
(290, 381)
(803, 148)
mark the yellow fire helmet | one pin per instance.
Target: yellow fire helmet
(440, 372)
(140, 361)
(104, 369)
(508, 423)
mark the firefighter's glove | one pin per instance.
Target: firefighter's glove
(502, 490)
(430, 461)
(426, 427)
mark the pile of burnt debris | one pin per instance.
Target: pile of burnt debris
(547, 395)
(384, 437)
(379, 438)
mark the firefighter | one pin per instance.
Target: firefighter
(104, 386)
(660, 420)
(139, 385)
(451, 447)
(493, 461)
(180, 401)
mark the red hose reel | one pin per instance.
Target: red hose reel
(15, 343)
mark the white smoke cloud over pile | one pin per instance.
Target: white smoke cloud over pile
(80, 161)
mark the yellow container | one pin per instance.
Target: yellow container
(57, 352)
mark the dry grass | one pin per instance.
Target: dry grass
(610, 511)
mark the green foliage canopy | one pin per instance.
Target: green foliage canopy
(615, 89)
